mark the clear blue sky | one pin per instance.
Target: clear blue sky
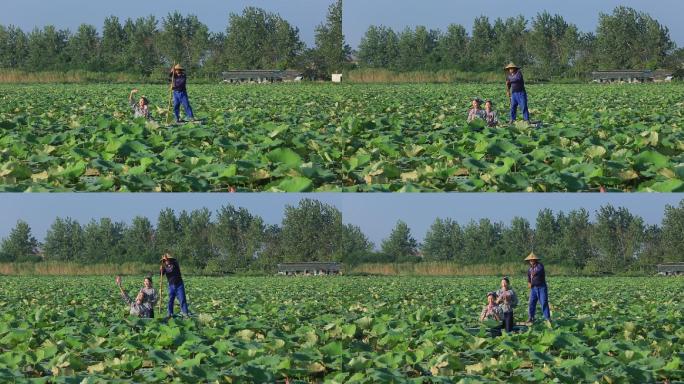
(376, 214)
(27, 14)
(360, 14)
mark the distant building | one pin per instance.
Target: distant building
(315, 268)
(261, 76)
(671, 269)
(622, 76)
(663, 75)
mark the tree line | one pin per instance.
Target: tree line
(548, 44)
(235, 240)
(254, 39)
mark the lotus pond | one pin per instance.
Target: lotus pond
(340, 330)
(322, 137)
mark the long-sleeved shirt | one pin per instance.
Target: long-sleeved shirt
(517, 82)
(178, 82)
(135, 309)
(139, 111)
(172, 272)
(476, 114)
(491, 118)
(507, 300)
(492, 312)
(151, 297)
(536, 275)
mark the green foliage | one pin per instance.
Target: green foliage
(347, 329)
(312, 137)
(400, 246)
(20, 245)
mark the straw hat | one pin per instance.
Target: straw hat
(179, 67)
(531, 256)
(510, 66)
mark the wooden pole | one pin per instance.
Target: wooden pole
(173, 79)
(161, 292)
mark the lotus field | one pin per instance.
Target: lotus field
(317, 137)
(340, 330)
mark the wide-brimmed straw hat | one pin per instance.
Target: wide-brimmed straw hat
(532, 256)
(179, 67)
(510, 66)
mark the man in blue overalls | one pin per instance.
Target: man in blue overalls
(180, 93)
(536, 282)
(515, 88)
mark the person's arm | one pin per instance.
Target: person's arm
(483, 314)
(529, 278)
(514, 299)
(130, 97)
(124, 295)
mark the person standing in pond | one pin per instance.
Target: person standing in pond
(536, 282)
(178, 81)
(515, 89)
(170, 268)
(507, 299)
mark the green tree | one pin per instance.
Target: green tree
(46, 49)
(113, 46)
(400, 246)
(257, 39)
(83, 49)
(379, 48)
(618, 236)
(672, 230)
(511, 42)
(443, 241)
(575, 239)
(101, 242)
(628, 39)
(20, 245)
(517, 240)
(183, 40)
(237, 236)
(194, 245)
(481, 46)
(553, 43)
(452, 47)
(64, 240)
(312, 231)
(330, 42)
(13, 47)
(356, 247)
(167, 232)
(141, 51)
(546, 236)
(137, 243)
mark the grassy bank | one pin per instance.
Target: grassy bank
(370, 75)
(13, 76)
(52, 268)
(455, 269)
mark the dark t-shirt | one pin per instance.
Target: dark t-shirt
(172, 272)
(536, 276)
(517, 82)
(178, 82)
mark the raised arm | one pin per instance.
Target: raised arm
(124, 295)
(130, 97)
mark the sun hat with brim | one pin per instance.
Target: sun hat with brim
(179, 67)
(531, 256)
(510, 66)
